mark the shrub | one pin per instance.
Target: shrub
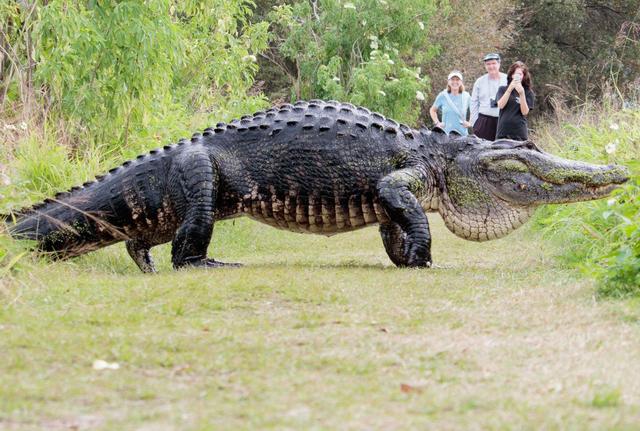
(601, 237)
(363, 51)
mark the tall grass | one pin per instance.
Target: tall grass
(600, 237)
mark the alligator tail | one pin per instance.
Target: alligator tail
(70, 224)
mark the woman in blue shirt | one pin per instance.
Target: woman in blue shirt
(454, 104)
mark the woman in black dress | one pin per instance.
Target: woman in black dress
(515, 100)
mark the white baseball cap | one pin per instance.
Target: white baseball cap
(454, 74)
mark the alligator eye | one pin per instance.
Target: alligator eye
(529, 145)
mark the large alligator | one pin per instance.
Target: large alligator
(313, 167)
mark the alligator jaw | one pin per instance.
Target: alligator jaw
(528, 177)
(578, 181)
(491, 188)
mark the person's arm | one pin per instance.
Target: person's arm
(502, 101)
(433, 111)
(524, 106)
(475, 103)
(467, 113)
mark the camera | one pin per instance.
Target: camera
(493, 103)
(517, 77)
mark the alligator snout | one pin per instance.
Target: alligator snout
(621, 174)
(585, 174)
(606, 175)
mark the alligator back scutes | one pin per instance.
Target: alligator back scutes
(322, 113)
(308, 115)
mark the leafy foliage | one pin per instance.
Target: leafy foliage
(364, 51)
(558, 41)
(133, 65)
(601, 237)
(621, 276)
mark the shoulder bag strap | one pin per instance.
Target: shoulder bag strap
(452, 105)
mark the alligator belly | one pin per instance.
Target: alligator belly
(315, 214)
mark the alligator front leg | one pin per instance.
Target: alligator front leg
(406, 238)
(199, 181)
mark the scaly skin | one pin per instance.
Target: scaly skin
(313, 167)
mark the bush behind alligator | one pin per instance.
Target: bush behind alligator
(313, 167)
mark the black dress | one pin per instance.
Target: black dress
(511, 123)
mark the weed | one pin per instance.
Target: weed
(600, 237)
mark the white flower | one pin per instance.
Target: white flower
(610, 148)
(23, 125)
(382, 93)
(374, 44)
(383, 2)
(249, 58)
(419, 95)
(349, 6)
(614, 126)
(611, 202)
(335, 78)
(421, 25)
(390, 61)
(99, 364)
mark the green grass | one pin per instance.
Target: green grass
(318, 333)
(601, 237)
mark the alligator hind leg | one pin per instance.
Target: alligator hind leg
(406, 238)
(139, 252)
(199, 180)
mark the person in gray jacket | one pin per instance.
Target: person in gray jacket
(484, 108)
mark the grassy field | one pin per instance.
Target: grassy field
(318, 333)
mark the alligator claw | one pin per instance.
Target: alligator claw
(211, 263)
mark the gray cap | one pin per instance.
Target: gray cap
(492, 56)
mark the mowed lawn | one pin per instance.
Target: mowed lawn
(318, 333)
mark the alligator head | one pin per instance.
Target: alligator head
(487, 189)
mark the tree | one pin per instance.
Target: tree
(575, 49)
(363, 51)
(465, 32)
(111, 68)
